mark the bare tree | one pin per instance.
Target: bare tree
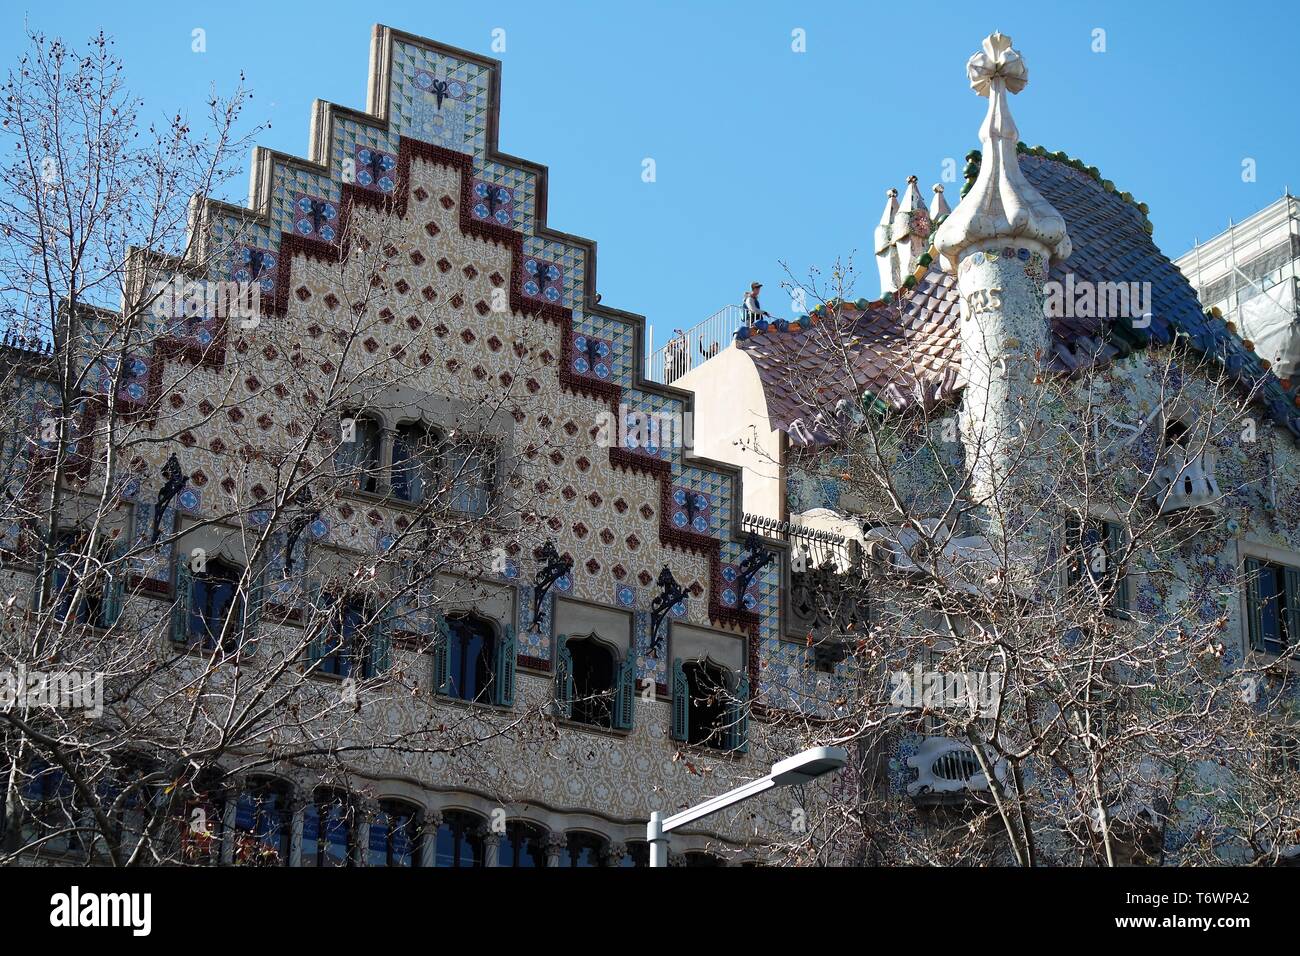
(1028, 677)
(233, 524)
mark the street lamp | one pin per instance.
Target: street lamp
(792, 771)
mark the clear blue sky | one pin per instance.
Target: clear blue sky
(764, 154)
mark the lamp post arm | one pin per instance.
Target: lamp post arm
(714, 804)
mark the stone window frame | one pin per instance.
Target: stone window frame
(1273, 555)
(395, 406)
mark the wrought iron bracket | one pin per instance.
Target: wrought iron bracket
(554, 566)
(670, 595)
(175, 483)
(757, 558)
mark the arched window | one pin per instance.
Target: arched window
(47, 795)
(415, 462)
(359, 459)
(584, 849)
(101, 596)
(524, 845)
(638, 854)
(128, 803)
(395, 835)
(460, 840)
(468, 464)
(214, 597)
(262, 824)
(592, 686)
(708, 709)
(346, 646)
(329, 830)
(471, 658)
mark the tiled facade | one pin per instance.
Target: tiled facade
(463, 231)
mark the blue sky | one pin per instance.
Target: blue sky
(764, 154)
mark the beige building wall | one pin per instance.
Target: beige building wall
(731, 425)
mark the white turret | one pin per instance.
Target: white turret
(902, 237)
(886, 253)
(938, 205)
(1001, 240)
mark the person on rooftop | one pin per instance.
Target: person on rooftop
(753, 310)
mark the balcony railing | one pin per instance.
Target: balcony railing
(694, 347)
(809, 547)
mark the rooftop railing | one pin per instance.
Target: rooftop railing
(695, 346)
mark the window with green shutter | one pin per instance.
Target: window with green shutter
(505, 668)
(441, 655)
(98, 573)
(1272, 607)
(681, 693)
(473, 662)
(1096, 565)
(591, 685)
(625, 694)
(707, 710)
(738, 721)
(563, 677)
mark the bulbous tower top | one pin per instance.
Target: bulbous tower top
(1001, 204)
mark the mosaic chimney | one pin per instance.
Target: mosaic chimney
(1000, 241)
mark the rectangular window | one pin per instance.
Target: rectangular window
(1096, 550)
(469, 466)
(1273, 607)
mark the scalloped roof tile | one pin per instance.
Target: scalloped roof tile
(908, 352)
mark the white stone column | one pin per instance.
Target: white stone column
(430, 821)
(556, 844)
(491, 846)
(297, 806)
(229, 808)
(365, 811)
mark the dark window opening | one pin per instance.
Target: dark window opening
(593, 683)
(638, 855)
(328, 832)
(1095, 566)
(92, 609)
(361, 459)
(345, 647)
(214, 598)
(414, 473)
(460, 840)
(1175, 434)
(584, 850)
(524, 846)
(394, 836)
(471, 653)
(1273, 604)
(50, 814)
(710, 705)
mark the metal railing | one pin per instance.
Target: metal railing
(816, 547)
(694, 347)
(26, 342)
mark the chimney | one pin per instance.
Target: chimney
(1000, 241)
(886, 254)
